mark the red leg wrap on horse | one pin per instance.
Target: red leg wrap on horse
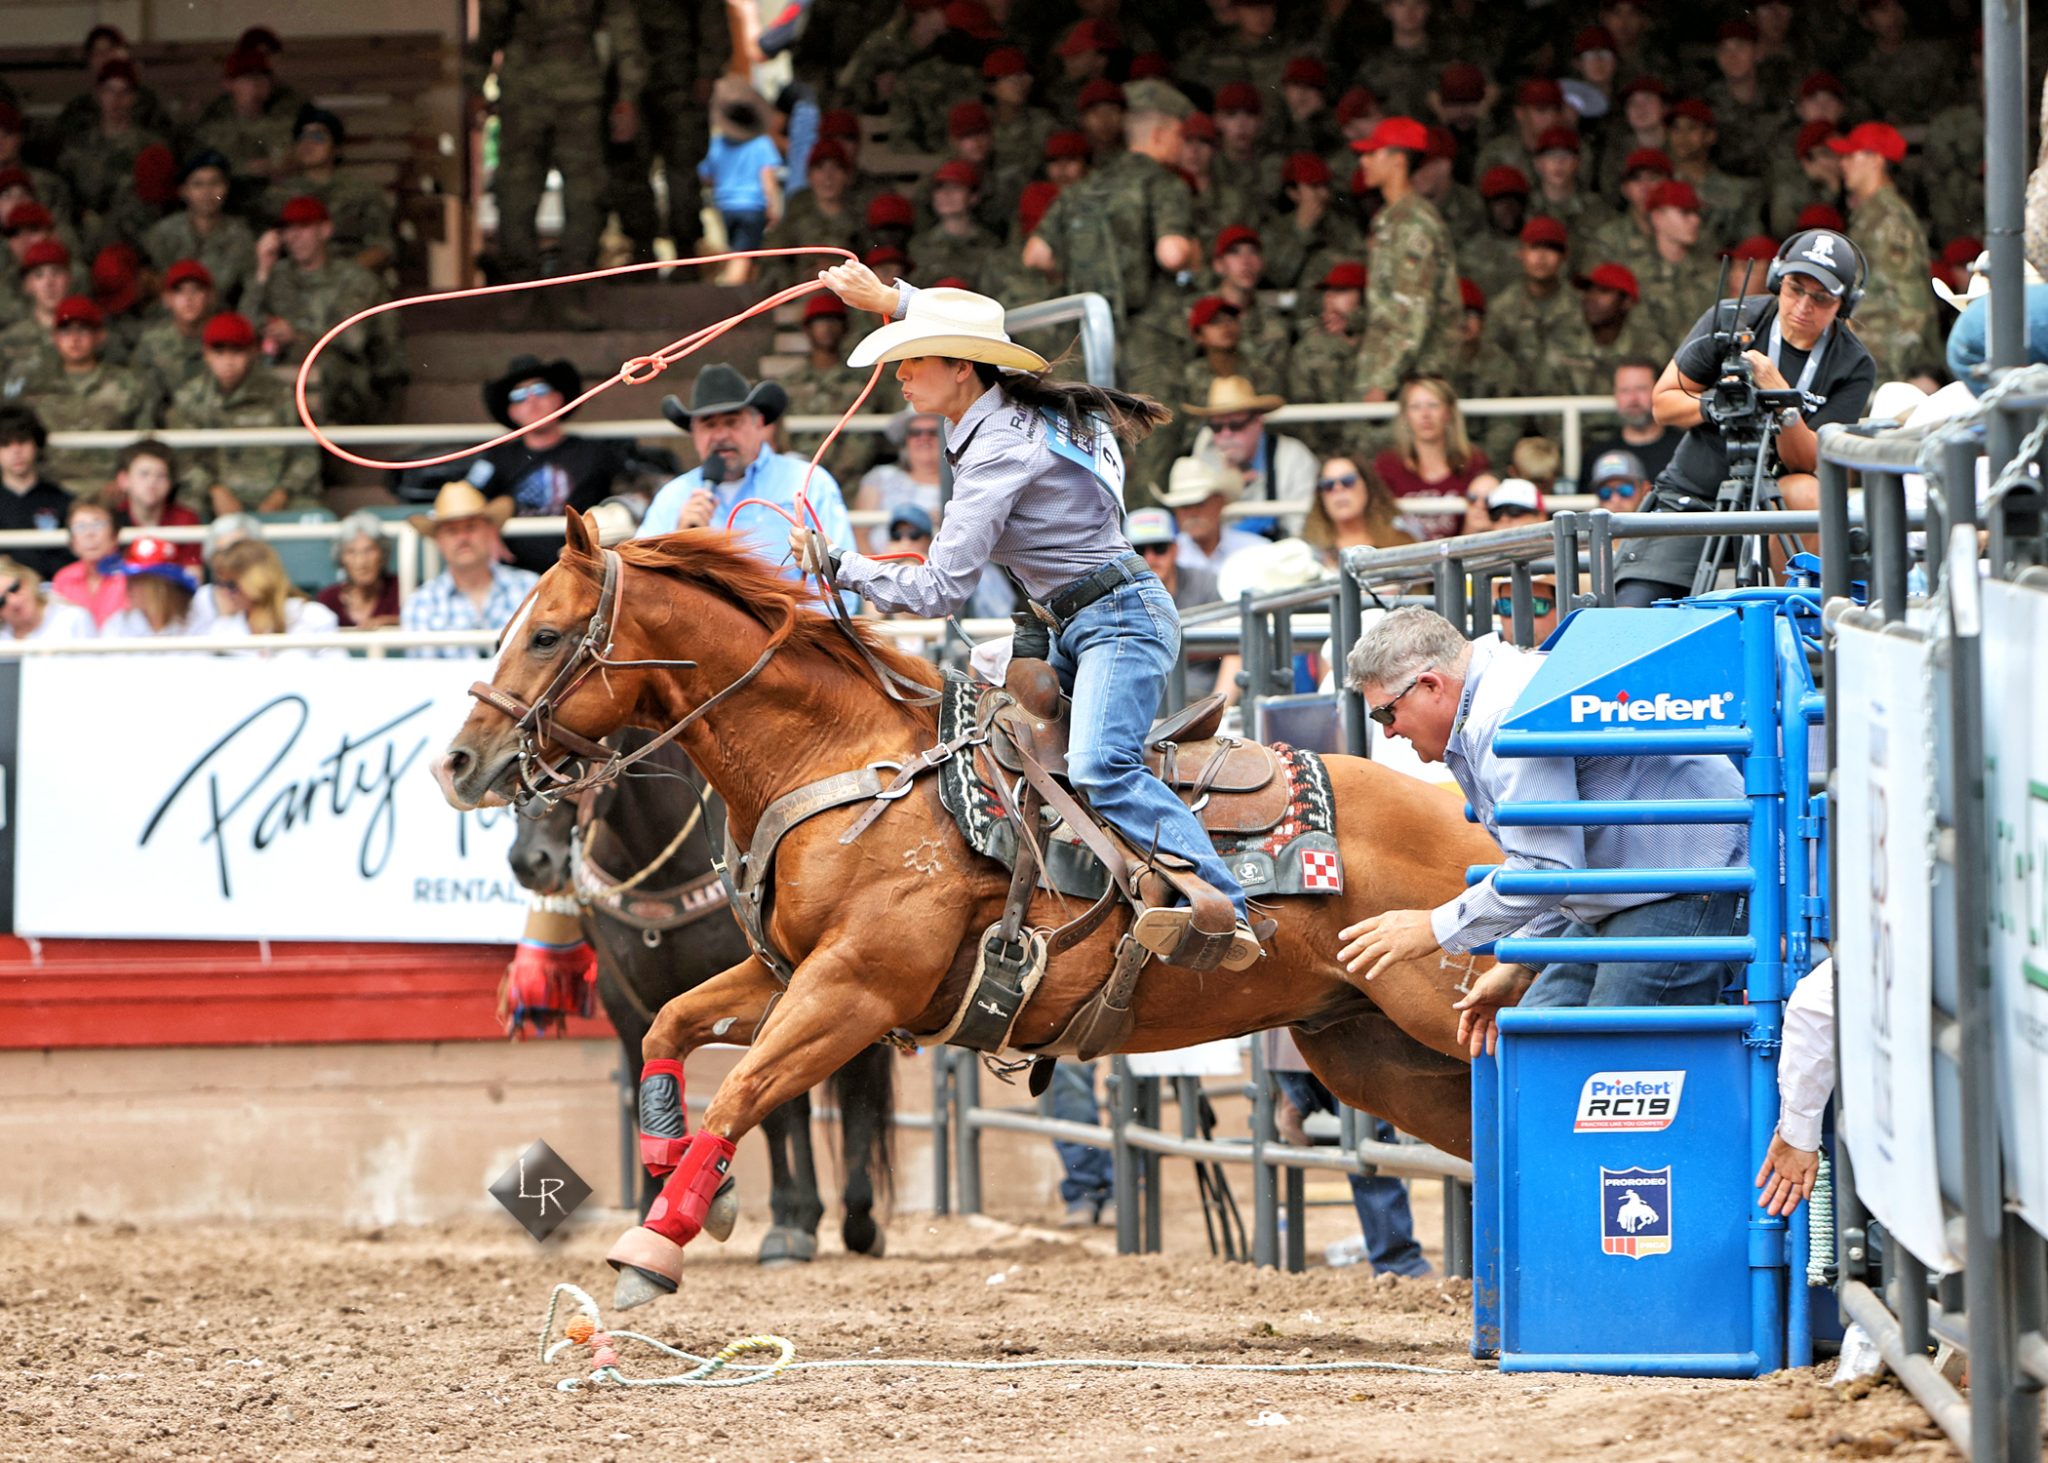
(685, 1199)
(664, 1122)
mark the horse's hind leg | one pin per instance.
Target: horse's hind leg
(1371, 1064)
(866, 1089)
(793, 1204)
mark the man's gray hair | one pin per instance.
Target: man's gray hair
(1400, 645)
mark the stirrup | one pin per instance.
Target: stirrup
(1171, 935)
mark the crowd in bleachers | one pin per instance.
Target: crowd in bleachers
(1340, 201)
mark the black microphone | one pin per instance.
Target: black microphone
(716, 468)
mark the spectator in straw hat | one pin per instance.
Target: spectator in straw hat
(474, 591)
(1198, 489)
(1273, 468)
(27, 612)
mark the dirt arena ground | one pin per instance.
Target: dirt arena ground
(284, 1345)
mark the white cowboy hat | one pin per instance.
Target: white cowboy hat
(1980, 282)
(947, 322)
(1269, 568)
(1195, 480)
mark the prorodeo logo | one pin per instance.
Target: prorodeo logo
(1662, 707)
(1629, 1102)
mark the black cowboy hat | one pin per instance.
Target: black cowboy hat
(560, 375)
(719, 388)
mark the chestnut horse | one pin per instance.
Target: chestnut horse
(774, 696)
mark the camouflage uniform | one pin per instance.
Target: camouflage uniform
(1297, 261)
(25, 353)
(229, 253)
(1791, 192)
(551, 113)
(1752, 132)
(1895, 86)
(1320, 368)
(826, 392)
(1102, 231)
(98, 165)
(1220, 205)
(1403, 80)
(686, 45)
(1463, 212)
(1491, 260)
(1620, 241)
(357, 365)
(1895, 322)
(804, 224)
(1675, 295)
(1521, 325)
(1582, 215)
(250, 473)
(886, 50)
(1576, 364)
(167, 357)
(244, 141)
(971, 256)
(361, 211)
(1731, 209)
(1952, 167)
(1506, 151)
(1412, 300)
(924, 93)
(104, 399)
(1484, 370)
(1256, 179)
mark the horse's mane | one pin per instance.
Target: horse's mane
(716, 561)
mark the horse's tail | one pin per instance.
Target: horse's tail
(864, 1091)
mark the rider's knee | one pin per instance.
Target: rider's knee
(1094, 768)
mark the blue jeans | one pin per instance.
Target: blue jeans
(1381, 1202)
(1072, 1097)
(744, 230)
(1112, 659)
(1645, 982)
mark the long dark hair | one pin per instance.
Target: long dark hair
(1131, 417)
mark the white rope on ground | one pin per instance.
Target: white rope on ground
(587, 1328)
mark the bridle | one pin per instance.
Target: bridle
(547, 780)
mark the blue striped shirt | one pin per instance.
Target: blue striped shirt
(1494, 680)
(439, 605)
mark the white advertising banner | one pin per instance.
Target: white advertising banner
(288, 799)
(2016, 786)
(1883, 937)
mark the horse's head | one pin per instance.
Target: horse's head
(550, 698)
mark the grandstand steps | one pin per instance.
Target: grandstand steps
(650, 308)
(461, 401)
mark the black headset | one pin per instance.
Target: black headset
(1804, 239)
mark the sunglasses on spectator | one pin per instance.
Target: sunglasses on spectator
(922, 432)
(1609, 491)
(1150, 550)
(1539, 606)
(1384, 713)
(1819, 299)
(905, 535)
(1341, 480)
(529, 391)
(1242, 423)
(1509, 510)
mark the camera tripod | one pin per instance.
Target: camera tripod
(1749, 487)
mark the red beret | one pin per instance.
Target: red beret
(156, 175)
(1645, 160)
(890, 210)
(1358, 102)
(1345, 275)
(1812, 135)
(1233, 236)
(29, 215)
(1149, 67)
(968, 119)
(958, 171)
(1473, 296)
(1821, 81)
(839, 122)
(824, 302)
(1694, 108)
(50, 253)
(827, 150)
(15, 178)
(304, 209)
(1101, 92)
(885, 254)
(1819, 216)
(1756, 246)
(1004, 61)
(1878, 137)
(1443, 143)
(971, 17)
(1539, 91)
(1306, 71)
(1593, 38)
(1673, 193)
(1563, 139)
(1065, 146)
(248, 61)
(1403, 132)
(1033, 202)
(1090, 35)
(1735, 30)
(1305, 167)
(1208, 308)
(118, 69)
(1961, 252)
(1239, 96)
(187, 271)
(1502, 181)
(1612, 277)
(78, 310)
(1461, 81)
(229, 331)
(1648, 84)
(1545, 231)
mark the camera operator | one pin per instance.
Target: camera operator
(1801, 343)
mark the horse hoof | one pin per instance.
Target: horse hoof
(862, 1235)
(785, 1246)
(724, 1212)
(649, 1265)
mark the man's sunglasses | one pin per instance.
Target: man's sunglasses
(905, 535)
(1509, 510)
(1339, 480)
(1606, 492)
(529, 391)
(1242, 423)
(1384, 713)
(1539, 606)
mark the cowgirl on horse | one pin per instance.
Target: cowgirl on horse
(1038, 480)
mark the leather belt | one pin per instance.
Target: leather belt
(1065, 603)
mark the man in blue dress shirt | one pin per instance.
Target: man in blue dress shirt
(730, 423)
